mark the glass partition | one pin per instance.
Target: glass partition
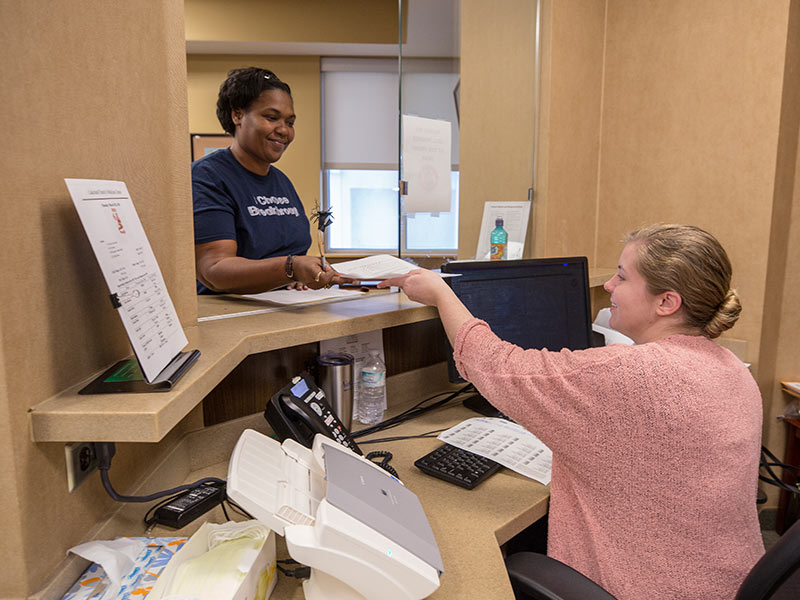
(429, 86)
(363, 103)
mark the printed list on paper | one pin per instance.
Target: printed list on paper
(130, 270)
(504, 442)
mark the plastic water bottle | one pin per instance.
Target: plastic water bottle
(372, 389)
(499, 241)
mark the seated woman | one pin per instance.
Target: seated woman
(251, 231)
(656, 445)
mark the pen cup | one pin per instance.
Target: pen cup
(336, 381)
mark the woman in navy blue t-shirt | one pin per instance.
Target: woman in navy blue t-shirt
(251, 231)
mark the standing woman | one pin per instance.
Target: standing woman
(251, 231)
(656, 445)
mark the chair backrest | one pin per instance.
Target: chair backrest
(776, 571)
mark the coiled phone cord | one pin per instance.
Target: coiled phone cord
(383, 464)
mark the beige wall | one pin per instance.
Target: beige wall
(96, 89)
(497, 81)
(301, 162)
(498, 51)
(649, 111)
(652, 111)
(567, 155)
(289, 21)
(781, 324)
(686, 137)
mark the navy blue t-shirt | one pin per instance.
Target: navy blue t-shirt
(262, 213)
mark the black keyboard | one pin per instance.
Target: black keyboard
(458, 466)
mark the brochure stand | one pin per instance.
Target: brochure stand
(138, 292)
(126, 376)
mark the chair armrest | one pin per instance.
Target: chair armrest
(539, 577)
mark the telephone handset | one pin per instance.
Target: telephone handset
(299, 410)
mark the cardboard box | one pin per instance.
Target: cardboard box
(259, 566)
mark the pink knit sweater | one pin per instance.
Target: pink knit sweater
(655, 457)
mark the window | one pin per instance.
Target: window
(360, 150)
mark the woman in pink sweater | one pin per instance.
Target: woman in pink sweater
(655, 446)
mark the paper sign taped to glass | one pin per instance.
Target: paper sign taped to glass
(426, 164)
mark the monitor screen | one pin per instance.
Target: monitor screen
(533, 303)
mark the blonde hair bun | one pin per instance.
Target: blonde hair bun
(726, 316)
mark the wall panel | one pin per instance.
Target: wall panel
(497, 74)
(96, 90)
(279, 21)
(779, 359)
(691, 110)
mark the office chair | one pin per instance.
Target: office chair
(775, 576)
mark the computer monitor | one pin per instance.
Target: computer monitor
(533, 303)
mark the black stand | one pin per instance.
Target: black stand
(126, 376)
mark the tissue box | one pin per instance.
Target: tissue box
(150, 562)
(261, 567)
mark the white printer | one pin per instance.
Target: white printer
(362, 533)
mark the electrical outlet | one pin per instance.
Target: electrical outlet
(81, 461)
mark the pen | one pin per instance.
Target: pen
(322, 248)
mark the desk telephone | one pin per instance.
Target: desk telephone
(299, 410)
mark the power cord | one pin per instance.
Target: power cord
(105, 452)
(397, 438)
(769, 460)
(300, 572)
(238, 509)
(413, 412)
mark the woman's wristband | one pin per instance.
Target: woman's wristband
(289, 266)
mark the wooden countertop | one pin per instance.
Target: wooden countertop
(223, 344)
(469, 525)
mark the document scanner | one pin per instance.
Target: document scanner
(361, 532)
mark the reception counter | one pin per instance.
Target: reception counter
(229, 329)
(223, 344)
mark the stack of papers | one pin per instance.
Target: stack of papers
(303, 296)
(371, 268)
(379, 266)
(504, 442)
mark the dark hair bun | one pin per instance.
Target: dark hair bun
(241, 88)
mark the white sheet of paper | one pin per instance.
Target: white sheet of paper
(130, 270)
(426, 164)
(359, 346)
(303, 296)
(378, 266)
(505, 442)
(515, 222)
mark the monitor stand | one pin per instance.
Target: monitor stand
(481, 405)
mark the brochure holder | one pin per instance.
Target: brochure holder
(138, 292)
(126, 376)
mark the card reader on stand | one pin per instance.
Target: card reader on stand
(362, 533)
